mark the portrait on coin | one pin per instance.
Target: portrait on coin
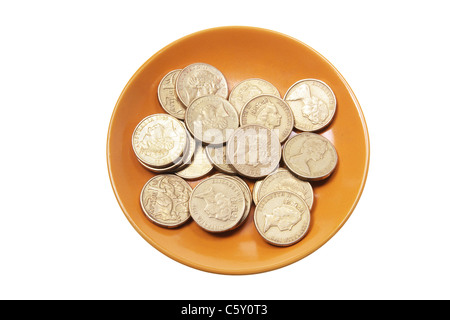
(247, 92)
(312, 150)
(313, 108)
(217, 205)
(283, 217)
(268, 115)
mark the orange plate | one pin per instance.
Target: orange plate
(240, 53)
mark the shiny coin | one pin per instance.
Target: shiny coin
(284, 180)
(255, 190)
(310, 156)
(313, 104)
(167, 95)
(217, 204)
(165, 200)
(245, 90)
(159, 140)
(182, 163)
(199, 167)
(198, 80)
(271, 112)
(282, 218)
(217, 156)
(211, 119)
(254, 151)
(247, 193)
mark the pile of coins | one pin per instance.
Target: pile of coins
(247, 134)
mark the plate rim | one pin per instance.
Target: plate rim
(246, 270)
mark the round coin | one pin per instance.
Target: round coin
(217, 204)
(310, 156)
(198, 80)
(247, 89)
(218, 157)
(211, 119)
(284, 180)
(313, 104)
(282, 218)
(167, 95)
(199, 167)
(271, 112)
(254, 151)
(165, 200)
(159, 140)
(182, 163)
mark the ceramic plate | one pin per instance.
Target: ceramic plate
(240, 53)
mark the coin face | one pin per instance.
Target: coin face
(245, 90)
(218, 157)
(271, 112)
(282, 218)
(310, 156)
(217, 204)
(313, 104)
(178, 165)
(167, 95)
(198, 80)
(199, 167)
(283, 180)
(159, 140)
(254, 151)
(247, 194)
(211, 119)
(165, 200)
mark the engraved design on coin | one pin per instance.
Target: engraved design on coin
(217, 204)
(310, 156)
(313, 104)
(165, 200)
(211, 119)
(282, 218)
(312, 150)
(246, 92)
(247, 89)
(313, 108)
(168, 97)
(271, 112)
(159, 140)
(254, 151)
(198, 80)
(284, 180)
(184, 161)
(247, 194)
(267, 114)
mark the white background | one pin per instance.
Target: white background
(63, 66)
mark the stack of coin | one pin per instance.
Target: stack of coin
(247, 134)
(220, 203)
(161, 143)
